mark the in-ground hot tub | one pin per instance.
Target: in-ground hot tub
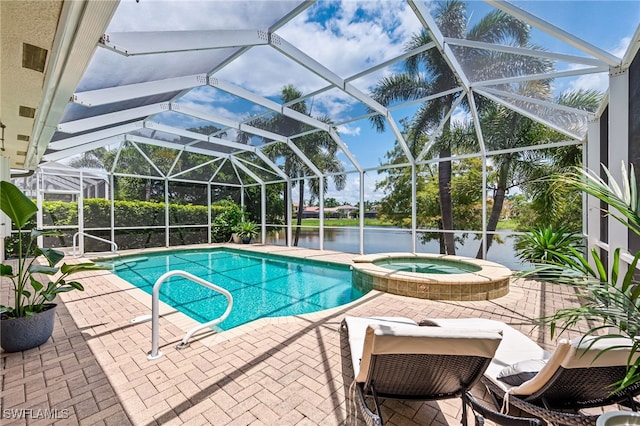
(431, 276)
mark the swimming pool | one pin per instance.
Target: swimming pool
(262, 285)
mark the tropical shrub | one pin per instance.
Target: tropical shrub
(610, 300)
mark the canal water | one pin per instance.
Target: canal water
(392, 239)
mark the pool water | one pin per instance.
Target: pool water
(262, 285)
(427, 266)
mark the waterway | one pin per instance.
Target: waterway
(392, 239)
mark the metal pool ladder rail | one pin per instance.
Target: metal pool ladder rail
(75, 238)
(155, 296)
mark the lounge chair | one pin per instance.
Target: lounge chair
(577, 375)
(396, 358)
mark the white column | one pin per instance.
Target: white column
(321, 204)
(81, 215)
(414, 209)
(362, 212)
(591, 205)
(209, 212)
(289, 212)
(263, 212)
(167, 239)
(618, 151)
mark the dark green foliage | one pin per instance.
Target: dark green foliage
(148, 217)
(547, 244)
(225, 216)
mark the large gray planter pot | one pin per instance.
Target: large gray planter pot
(19, 334)
(619, 418)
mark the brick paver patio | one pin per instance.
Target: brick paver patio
(288, 371)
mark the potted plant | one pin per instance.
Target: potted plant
(28, 322)
(247, 230)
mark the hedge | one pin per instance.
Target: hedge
(128, 214)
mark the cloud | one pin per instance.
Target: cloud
(349, 130)
(351, 193)
(598, 81)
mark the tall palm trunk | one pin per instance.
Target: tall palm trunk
(446, 207)
(496, 210)
(444, 185)
(300, 210)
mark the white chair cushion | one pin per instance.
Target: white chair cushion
(399, 336)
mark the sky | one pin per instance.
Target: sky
(346, 37)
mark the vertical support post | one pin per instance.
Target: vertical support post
(591, 205)
(242, 200)
(167, 239)
(361, 225)
(263, 212)
(112, 216)
(618, 151)
(321, 204)
(209, 212)
(39, 215)
(414, 209)
(81, 214)
(483, 240)
(289, 212)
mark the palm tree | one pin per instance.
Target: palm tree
(427, 73)
(318, 147)
(504, 128)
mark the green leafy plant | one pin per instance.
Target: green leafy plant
(227, 216)
(547, 244)
(610, 300)
(31, 295)
(247, 230)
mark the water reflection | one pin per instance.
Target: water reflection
(391, 239)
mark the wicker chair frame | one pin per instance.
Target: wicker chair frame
(424, 377)
(570, 390)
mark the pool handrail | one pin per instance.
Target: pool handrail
(75, 237)
(155, 307)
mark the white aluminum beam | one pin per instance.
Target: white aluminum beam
(93, 136)
(525, 51)
(476, 123)
(112, 118)
(269, 104)
(194, 168)
(528, 114)
(246, 170)
(541, 76)
(368, 71)
(146, 157)
(425, 18)
(79, 25)
(540, 102)
(197, 136)
(317, 68)
(618, 154)
(336, 137)
(154, 42)
(447, 116)
(554, 31)
(69, 152)
(632, 50)
(138, 90)
(176, 146)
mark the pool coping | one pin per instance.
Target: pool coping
(490, 282)
(212, 337)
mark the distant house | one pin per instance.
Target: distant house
(313, 212)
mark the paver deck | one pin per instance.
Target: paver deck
(287, 371)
